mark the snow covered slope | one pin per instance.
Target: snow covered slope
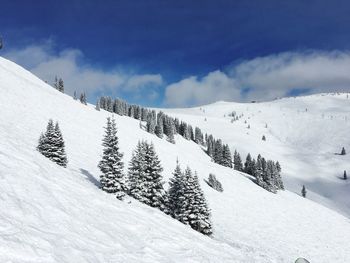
(306, 134)
(52, 214)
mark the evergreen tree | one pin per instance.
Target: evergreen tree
(160, 125)
(210, 146)
(343, 152)
(279, 182)
(198, 136)
(61, 157)
(177, 125)
(83, 98)
(144, 114)
(112, 178)
(196, 212)
(151, 123)
(159, 131)
(218, 152)
(227, 158)
(263, 138)
(238, 165)
(190, 132)
(270, 177)
(145, 179)
(41, 143)
(60, 85)
(75, 95)
(186, 201)
(98, 105)
(345, 177)
(303, 191)
(176, 196)
(46, 141)
(249, 165)
(136, 173)
(55, 83)
(259, 172)
(171, 131)
(155, 194)
(51, 144)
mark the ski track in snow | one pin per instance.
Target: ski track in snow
(52, 214)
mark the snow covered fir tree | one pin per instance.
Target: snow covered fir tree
(303, 191)
(51, 144)
(186, 201)
(112, 179)
(237, 161)
(145, 178)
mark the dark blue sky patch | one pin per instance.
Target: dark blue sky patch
(180, 38)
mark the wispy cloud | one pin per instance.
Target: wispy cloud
(80, 76)
(265, 78)
(262, 78)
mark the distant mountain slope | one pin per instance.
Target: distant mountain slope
(305, 134)
(53, 214)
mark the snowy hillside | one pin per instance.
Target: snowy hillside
(55, 214)
(306, 135)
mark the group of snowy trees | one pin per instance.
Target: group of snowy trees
(51, 144)
(266, 172)
(82, 97)
(219, 152)
(159, 123)
(184, 200)
(58, 84)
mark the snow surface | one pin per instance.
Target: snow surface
(305, 134)
(55, 214)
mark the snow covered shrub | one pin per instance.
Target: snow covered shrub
(214, 183)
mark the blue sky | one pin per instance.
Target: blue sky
(182, 53)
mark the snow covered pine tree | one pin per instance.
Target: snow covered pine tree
(145, 179)
(154, 191)
(187, 203)
(51, 144)
(136, 173)
(237, 161)
(112, 179)
(303, 191)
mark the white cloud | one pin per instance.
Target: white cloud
(266, 78)
(135, 83)
(262, 78)
(215, 86)
(77, 75)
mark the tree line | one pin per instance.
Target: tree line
(266, 172)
